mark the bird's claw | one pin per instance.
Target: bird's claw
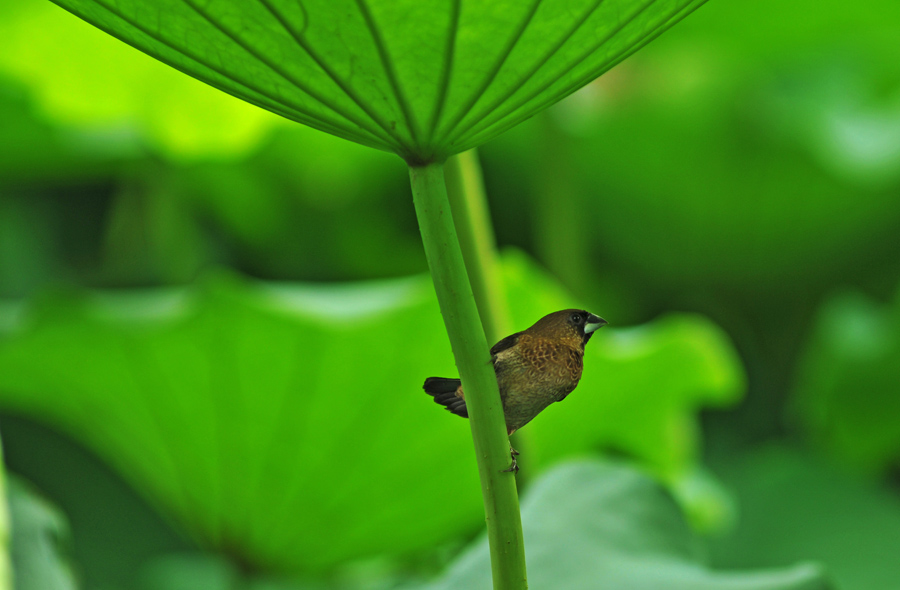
(514, 467)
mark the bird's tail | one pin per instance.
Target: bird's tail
(443, 391)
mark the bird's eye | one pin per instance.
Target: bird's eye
(576, 318)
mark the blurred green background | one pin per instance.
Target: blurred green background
(214, 323)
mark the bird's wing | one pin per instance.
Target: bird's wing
(506, 343)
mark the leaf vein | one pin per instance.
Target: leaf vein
(676, 15)
(388, 66)
(450, 52)
(500, 101)
(286, 76)
(352, 94)
(264, 100)
(495, 69)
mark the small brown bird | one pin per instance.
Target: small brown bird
(534, 368)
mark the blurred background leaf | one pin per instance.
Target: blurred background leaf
(752, 121)
(105, 89)
(846, 395)
(795, 505)
(589, 521)
(114, 535)
(6, 549)
(232, 455)
(264, 462)
(40, 536)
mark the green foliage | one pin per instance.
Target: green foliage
(40, 533)
(798, 506)
(5, 534)
(222, 405)
(591, 524)
(735, 151)
(741, 166)
(286, 424)
(113, 93)
(184, 573)
(210, 572)
(423, 80)
(846, 392)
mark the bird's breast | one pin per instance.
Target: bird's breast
(535, 376)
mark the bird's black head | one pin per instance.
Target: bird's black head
(585, 323)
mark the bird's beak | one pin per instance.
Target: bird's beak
(593, 323)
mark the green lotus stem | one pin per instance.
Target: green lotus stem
(465, 188)
(472, 217)
(470, 349)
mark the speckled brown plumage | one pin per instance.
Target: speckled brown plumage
(534, 368)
